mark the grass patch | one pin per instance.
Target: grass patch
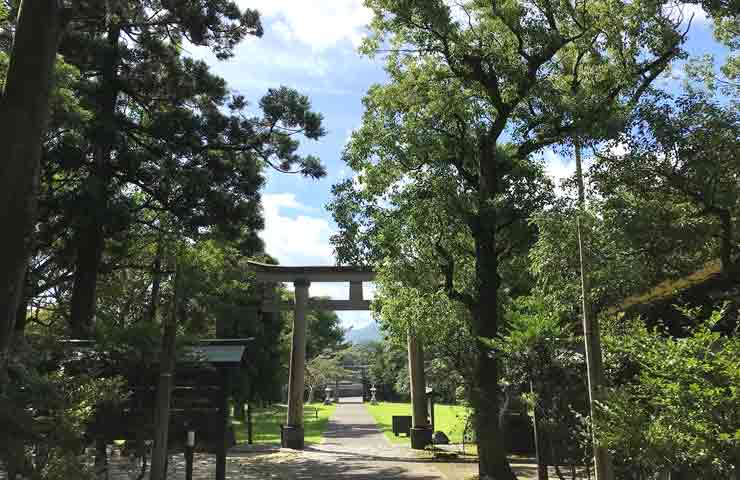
(266, 423)
(449, 419)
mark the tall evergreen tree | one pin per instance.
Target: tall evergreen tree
(165, 134)
(24, 113)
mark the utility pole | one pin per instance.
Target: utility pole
(591, 334)
(164, 387)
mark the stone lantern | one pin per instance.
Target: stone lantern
(327, 397)
(373, 400)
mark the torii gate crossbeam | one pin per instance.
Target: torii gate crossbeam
(293, 433)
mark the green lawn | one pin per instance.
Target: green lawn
(449, 419)
(266, 423)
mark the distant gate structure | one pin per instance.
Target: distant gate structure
(293, 434)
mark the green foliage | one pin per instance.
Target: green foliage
(681, 159)
(323, 370)
(627, 254)
(324, 333)
(726, 29)
(45, 408)
(677, 403)
(387, 360)
(542, 362)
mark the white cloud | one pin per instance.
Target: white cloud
(685, 11)
(295, 240)
(558, 168)
(618, 149)
(303, 239)
(689, 10)
(263, 63)
(320, 24)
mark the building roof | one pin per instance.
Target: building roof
(705, 291)
(216, 353)
(220, 351)
(711, 271)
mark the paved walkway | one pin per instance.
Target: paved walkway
(354, 448)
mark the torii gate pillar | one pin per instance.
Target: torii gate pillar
(293, 433)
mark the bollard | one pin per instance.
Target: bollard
(189, 447)
(249, 424)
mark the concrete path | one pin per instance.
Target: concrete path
(355, 448)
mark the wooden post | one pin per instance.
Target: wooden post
(538, 446)
(189, 447)
(249, 423)
(430, 402)
(293, 431)
(223, 422)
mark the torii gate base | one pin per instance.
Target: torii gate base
(292, 434)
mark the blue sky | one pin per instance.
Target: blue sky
(311, 46)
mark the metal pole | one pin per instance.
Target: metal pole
(249, 423)
(591, 335)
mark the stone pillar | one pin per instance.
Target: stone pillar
(293, 431)
(421, 431)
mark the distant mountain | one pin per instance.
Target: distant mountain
(370, 333)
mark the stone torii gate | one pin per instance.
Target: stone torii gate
(293, 434)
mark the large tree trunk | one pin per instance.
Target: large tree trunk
(90, 234)
(22, 310)
(90, 242)
(151, 314)
(493, 463)
(727, 243)
(24, 114)
(164, 387)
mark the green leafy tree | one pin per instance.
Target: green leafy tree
(682, 157)
(526, 74)
(165, 134)
(675, 404)
(543, 365)
(325, 333)
(45, 411)
(24, 115)
(323, 370)
(726, 29)
(635, 243)
(386, 360)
